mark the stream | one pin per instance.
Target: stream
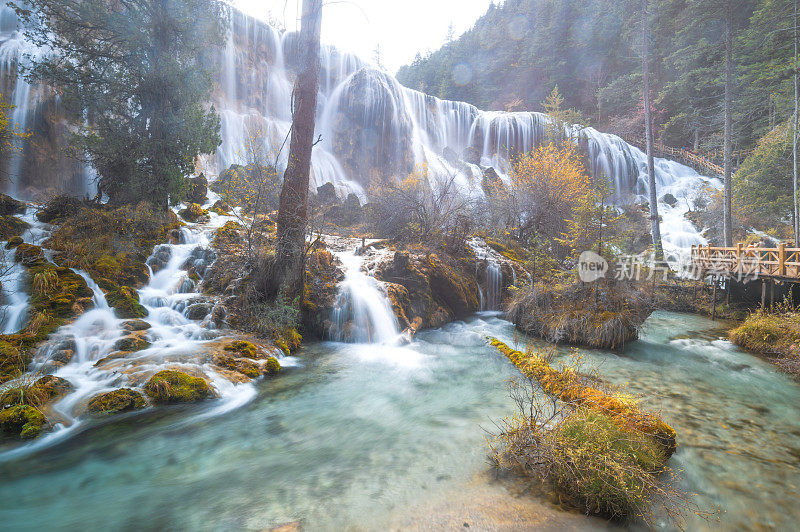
(355, 435)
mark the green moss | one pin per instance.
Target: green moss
(9, 205)
(13, 242)
(228, 235)
(21, 421)
(11, 226)
(272, 366)
(59, 208)
(125, 301)
(193, 213)
(221, 208)
(122, 400)
(242, 348)
(244, 366)
(29, 255)
(170, 386)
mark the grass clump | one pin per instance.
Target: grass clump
(774, 334)
(171, 386)
(600, 460)
(272, 367)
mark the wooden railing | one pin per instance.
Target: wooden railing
(700, 162)
(747, 262)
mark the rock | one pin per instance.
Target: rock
(221, 208)
(198, 189)
(122, 400)
(194, 213)
(242, 365)
(326, 194)
(13, 242)
(197, 311)
(12, 227)
(669, 199)
(23, 421)
(59, 208)
(131, 343)
(53, 386)
(29, 255)
(228, 235)
(135, 325)
(9, 206)
(450, 156)
(472, 155)
(125, 301)
(351, 211)
(171, 386)
(272, 366)
(159, 258)
(242, 348)
(490, 181)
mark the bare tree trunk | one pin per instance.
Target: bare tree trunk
(796, 213)
(293, 207)
(727, 219)
(655, 228)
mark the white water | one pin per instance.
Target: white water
(363, 313)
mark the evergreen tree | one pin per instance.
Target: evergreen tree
(135, 73)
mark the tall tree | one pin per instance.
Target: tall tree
(655, 227)
(796, 199)
(727, 219)
(135, 74)
(293, 203)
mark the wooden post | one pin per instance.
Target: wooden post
(771, 293)
(781, 259)
(714, 299)
(763, 293)
(738, 256)
(728, 291)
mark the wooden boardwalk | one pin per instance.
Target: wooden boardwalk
(704, 163)
(742, 262)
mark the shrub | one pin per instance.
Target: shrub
(775, 334)
(272, 367)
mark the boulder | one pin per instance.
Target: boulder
(242, 348)
(29, 255)
(221, 208)
(11, 227)
(243, 365)
(131, 343)
(326, 194)
(197, 311)
(669, 199)
(117, 401)
(135, 325)
(59, 208)
(13, 242)
(472, 155)
(125, 301)
(194, 213)
(272, 366)
(22, 421)
(9, 206)
(171, 386)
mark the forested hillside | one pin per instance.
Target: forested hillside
(519, 50)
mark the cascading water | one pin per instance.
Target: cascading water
(494, 283)
(363, 313)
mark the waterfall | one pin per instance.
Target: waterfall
(363, 313)
(494, 285)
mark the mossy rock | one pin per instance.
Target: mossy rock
(125, 301)
(57, 290)
(288, 340)
(117, 401)
(40, 392)
(242, 365)
(22, 421)
(13, 242)
(11, 361)
(53, 386)
(221, 208)
(11, 226)
(242, 349)
(193, 213)
(228, 235)
(135, 325)
(131, 343)
(59, 209)
(29, 255)
(171, 386)
(9, 205)
(272, 366)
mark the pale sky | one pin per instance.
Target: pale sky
(401, 27)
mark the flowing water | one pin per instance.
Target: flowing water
(359, 434)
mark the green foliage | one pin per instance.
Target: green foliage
(762, 190)
(126, 305)
(22, 421)
(272, 367)
(135, 74)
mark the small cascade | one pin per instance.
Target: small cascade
(363, 313)
(494, 285)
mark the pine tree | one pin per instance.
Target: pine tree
(135, 74)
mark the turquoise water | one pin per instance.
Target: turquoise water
(357, 433)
